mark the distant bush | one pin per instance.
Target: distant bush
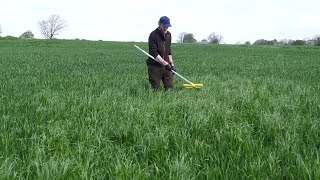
(204, 41)
(299, 42)
(265, 42)
(8, 38)
(317, 41)
(189, 38)
(27, 35)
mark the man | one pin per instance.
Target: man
(160, 49)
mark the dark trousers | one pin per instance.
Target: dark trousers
(158, 74)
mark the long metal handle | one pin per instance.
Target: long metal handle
(147, 54)
(182, 77)
(159, 62)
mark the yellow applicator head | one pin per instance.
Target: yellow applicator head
(192, 85)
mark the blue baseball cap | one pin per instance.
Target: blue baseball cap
(165, 21)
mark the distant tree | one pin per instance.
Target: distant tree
(51, 27)
(275, 42)
(0, 30)
(215, 38)
(247, 43)
(189, 38)
(290, 41)
(265, 42)
(317, 40)
(27, 35)
(283, 42)
(181, 37)
(204, 41)
(299, 42)
(261, 42)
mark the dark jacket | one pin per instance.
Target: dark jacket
(159, 44)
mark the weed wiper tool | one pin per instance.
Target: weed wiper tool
(189, 85)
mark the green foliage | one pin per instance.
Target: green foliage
(27, 35)
(204, 41)
(299, 42)
(317, 41)
(189, 38)
(84, 110)
(214, 41)
(265, 42)
(8, 38)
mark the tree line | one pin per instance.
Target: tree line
(215, 38)
(55, 24)
(185, 37)
(310, 42)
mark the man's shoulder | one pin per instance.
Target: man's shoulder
(153, 33)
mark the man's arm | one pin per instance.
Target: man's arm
(170, 55)
(171, 60)
(161, 60)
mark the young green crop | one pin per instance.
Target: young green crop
(82, 109)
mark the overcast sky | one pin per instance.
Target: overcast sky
(133, 20)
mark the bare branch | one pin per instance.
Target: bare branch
(215, 38)
(51, 27)
(181, 37)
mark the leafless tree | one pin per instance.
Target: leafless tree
(181, 37)
(215, 38)
(51, 27)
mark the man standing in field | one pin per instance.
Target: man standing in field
(160, 48)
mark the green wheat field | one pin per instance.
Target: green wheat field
(84, 110)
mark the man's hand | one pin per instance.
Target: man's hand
(168, 67)
(173, 67)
